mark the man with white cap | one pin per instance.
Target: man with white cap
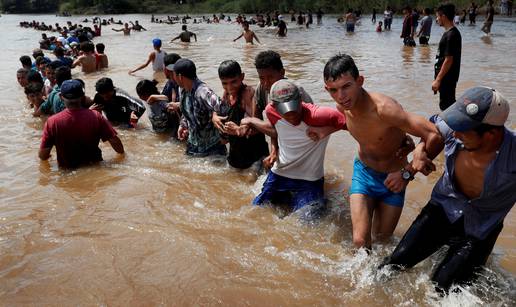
(474, 194)
(297, 177)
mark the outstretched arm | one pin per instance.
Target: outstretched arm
(261, 125)
(238, 37)
(151, 57)
(416, 125)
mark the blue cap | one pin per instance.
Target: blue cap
(72, 89)
(156, 42)
(478, 105)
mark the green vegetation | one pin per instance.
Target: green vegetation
(206, 6)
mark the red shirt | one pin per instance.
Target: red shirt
(76, 134)
(313, 115)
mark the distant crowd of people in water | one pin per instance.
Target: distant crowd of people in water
(468, 203)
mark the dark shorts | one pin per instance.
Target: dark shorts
(446, 94)
(409, 41)
(423, 40)
(301, 195)
(350, 27)
(216, 150)
(429, 232)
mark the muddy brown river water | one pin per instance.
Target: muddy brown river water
(158, 228)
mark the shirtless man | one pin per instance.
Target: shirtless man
(125, 29)
(381, 173)
(185, 36)
(136, 26)
(247, 34)
(87, 60)
(350, 19)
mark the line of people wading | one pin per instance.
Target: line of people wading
(468, 203)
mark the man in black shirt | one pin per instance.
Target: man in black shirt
(489, 18)
(407, 31)
(117, 104)
(447, 64)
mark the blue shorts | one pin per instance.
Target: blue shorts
(297, 193)
(369, 182)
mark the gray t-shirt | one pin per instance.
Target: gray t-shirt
(426, 26)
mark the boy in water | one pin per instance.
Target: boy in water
(248, 35)
(125, 29)
(34, 93)
(101, 58)
(156, 57)
(21, 76)
(160, 118)
(87, 60)
(236, 104)
(297, 178)
(381, 173)
(379, 27)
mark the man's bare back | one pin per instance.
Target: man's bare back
(87, 62)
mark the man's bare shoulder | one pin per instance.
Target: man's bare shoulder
(386, 106)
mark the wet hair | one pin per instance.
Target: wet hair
(25, 60)
(229, 69)
(268, 59)
(183, 27)
(448, 10)
(171, 58)
(63, 73)
(34, 88)
(100, 47)
(22, 71)
(41, 60)
(483, 128)
(87, 47)
(338, 65)
(427, 11)
(147, 88)
(34, 76)
(59, 51)
(55, 64)
(37, 53)
(104, 85)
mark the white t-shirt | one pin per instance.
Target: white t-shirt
(299, 156)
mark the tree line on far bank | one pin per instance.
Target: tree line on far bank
(87, 7)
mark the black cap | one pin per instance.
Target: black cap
(186, 68)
